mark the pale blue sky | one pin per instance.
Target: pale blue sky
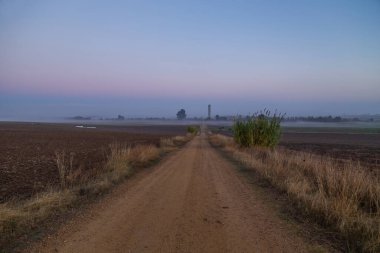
(151, 58)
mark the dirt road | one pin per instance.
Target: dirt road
(194, 201)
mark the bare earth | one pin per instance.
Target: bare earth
(193, 201)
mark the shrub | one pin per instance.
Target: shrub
(262, 129)
(192, 129)
(243, 131)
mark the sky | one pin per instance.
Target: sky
(152, 58)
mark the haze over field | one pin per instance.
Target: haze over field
(151, 58)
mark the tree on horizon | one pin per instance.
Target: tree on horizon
(181, 114)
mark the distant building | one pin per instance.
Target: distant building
(209, 112)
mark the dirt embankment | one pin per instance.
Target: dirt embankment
(194, 201)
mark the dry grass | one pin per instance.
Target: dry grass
(181, 140)
(345, 196)
(223, 141)
(17, 218)
(166, 142)
(65, 168)
(143, 155)
(170, 144)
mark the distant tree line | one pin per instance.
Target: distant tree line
(325, 119)
(316, 119)
(218, 117)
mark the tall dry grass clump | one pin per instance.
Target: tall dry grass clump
(172, 143)
(222, 141)
(344, 196)
(122, 162)
(143, 155)
(118, 163)
(166, 142)
(65, 167)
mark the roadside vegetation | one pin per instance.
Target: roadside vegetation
(19, 218)
(340, 195)
(262, 129)
(193, 130)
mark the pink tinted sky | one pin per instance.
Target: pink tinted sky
(299, 52)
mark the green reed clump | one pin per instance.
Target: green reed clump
(262, 129)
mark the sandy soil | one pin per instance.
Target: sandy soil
(194, 201)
